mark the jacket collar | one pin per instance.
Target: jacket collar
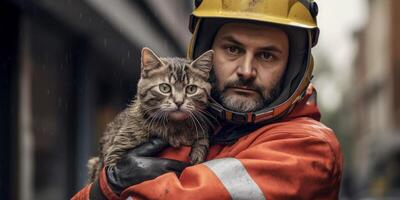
(307, 107)
(227, 134)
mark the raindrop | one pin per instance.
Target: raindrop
(105, 42)
(59, 102)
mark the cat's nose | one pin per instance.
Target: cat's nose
(179, 103)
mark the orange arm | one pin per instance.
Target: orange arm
(280, 166)
(273, 166)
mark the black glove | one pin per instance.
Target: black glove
(137, 166)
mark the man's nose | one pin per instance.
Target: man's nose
(246, 69)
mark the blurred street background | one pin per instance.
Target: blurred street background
(68, 66)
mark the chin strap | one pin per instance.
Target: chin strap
(230, 116)
(240, 118)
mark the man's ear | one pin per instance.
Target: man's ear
(204, 62)
(150, 60)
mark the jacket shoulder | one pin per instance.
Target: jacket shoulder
(302, 126)
(300, 129)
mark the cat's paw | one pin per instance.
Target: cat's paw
(196, 157)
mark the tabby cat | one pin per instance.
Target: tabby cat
(170, 102)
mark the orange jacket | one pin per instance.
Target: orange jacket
(297, 158)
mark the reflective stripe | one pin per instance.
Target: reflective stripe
(235, 178)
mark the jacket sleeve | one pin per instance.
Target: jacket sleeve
(98, 190)
(280, 167)
(83, 194)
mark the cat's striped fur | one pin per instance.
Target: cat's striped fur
(149, 113)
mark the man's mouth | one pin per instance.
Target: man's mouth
(243, 90)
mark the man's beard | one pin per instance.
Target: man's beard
(242, 103)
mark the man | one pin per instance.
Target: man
(270, 144)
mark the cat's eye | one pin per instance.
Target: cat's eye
(165, 88)
(191, 89)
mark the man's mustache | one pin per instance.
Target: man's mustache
(244, 84)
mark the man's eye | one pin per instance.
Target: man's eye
(265, 56)
(233, 50)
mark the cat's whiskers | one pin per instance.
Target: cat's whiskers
(150, 117)
(194, 122)
(164, 119)
(208, 114)
(147, 120)
(191, 108)
(147, 110)
(160, 117)
(154, 118)
(205, 120)
(198, 122)
(202, 118)
(204, 115)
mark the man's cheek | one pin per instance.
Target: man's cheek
(221, 86)
(220, 80)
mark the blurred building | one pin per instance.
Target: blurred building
(375, 94)
(66, 68)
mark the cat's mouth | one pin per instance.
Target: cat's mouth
(178, 115)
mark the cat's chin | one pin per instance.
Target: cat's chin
(178, 115)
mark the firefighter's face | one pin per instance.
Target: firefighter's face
(249, 61)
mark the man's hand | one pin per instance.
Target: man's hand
(137, 166)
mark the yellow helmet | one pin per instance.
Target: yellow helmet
(296, 17)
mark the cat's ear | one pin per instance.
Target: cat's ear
(150, 60)
(204, 62)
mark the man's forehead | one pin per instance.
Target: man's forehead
(248, 31)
